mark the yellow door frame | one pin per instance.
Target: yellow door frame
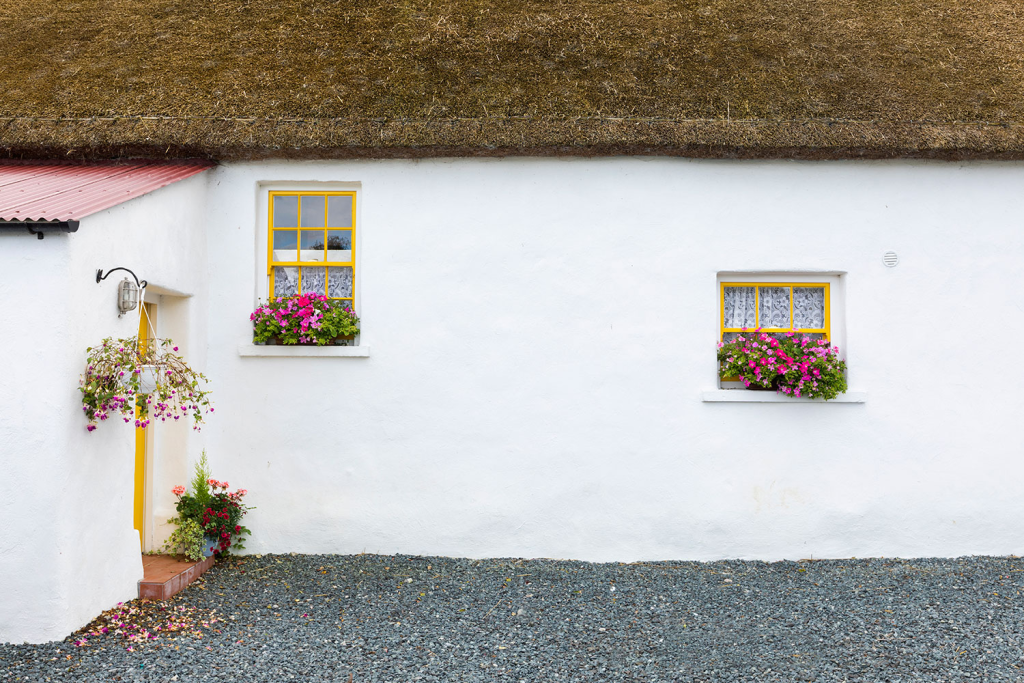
(147, 332)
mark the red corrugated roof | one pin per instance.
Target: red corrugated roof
(67, 192)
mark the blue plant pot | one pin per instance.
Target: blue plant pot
(210, 545)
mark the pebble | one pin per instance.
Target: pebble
(376, 618)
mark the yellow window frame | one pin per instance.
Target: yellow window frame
(826, 330)
(297, 228)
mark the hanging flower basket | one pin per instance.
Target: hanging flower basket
(141, 382)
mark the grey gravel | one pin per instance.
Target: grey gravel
(401, 618)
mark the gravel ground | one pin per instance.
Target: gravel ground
(398, 618)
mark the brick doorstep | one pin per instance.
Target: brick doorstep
(165, 575)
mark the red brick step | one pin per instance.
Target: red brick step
(165, 575)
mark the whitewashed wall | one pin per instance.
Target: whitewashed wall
(541, 332)
(68, 549)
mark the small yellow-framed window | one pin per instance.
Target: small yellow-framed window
(311, 245)
(775, 307)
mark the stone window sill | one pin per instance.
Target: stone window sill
(258, 351)
(747, 396)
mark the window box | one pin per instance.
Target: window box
(343, 340)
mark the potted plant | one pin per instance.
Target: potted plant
(310, 319)
(143, 382)
(209, 519)
(790, 363)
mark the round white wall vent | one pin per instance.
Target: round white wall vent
(890, 259)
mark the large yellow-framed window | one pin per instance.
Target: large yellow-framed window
(311, 245)
(775, 307)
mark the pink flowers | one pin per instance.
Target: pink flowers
(792, 364)
(305, 319)
(178, 490)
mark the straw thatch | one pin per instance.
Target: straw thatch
(339, 78)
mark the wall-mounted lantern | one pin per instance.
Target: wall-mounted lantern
(127, 291)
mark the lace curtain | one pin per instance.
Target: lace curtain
(314, 280)
(809, 307)
(286, 281)
(335, 281)
(739, 307)
(770, 308)
(774, 307)
(339, 282)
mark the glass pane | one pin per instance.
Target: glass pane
(774, 307)
(739, 307)
(339, 212)
(312, 245)
(286, 281)
(313, 280)
(347, 303)
(313, 211)
(339, 282)
(809, 308)
(286, 212)
(339, 245)
(285, 243)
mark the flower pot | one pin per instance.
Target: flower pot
(211, 544)
(149, 378)
(346, 340)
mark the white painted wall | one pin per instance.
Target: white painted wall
(541, 332)
(68, 549)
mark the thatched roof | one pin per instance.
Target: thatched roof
(339, 78)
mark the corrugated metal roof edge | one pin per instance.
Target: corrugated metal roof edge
(138, 176)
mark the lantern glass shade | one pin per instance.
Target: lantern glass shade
(127, 296)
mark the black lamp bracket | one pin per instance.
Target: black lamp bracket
(100, 277)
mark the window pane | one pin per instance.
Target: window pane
(339, 282)
(739, 307)
(312, 245)
(313, 211)
(286, 281)
(339, 245)
(285, 243)
(809, 308)
(286, 212)
(339, 212)
(774, 307)
(313, 280)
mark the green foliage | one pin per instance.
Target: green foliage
(790, 363)
(200, 483)
(187, 538)
(306, 319)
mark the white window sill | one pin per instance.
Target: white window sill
(747, 396)
(296, 351)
